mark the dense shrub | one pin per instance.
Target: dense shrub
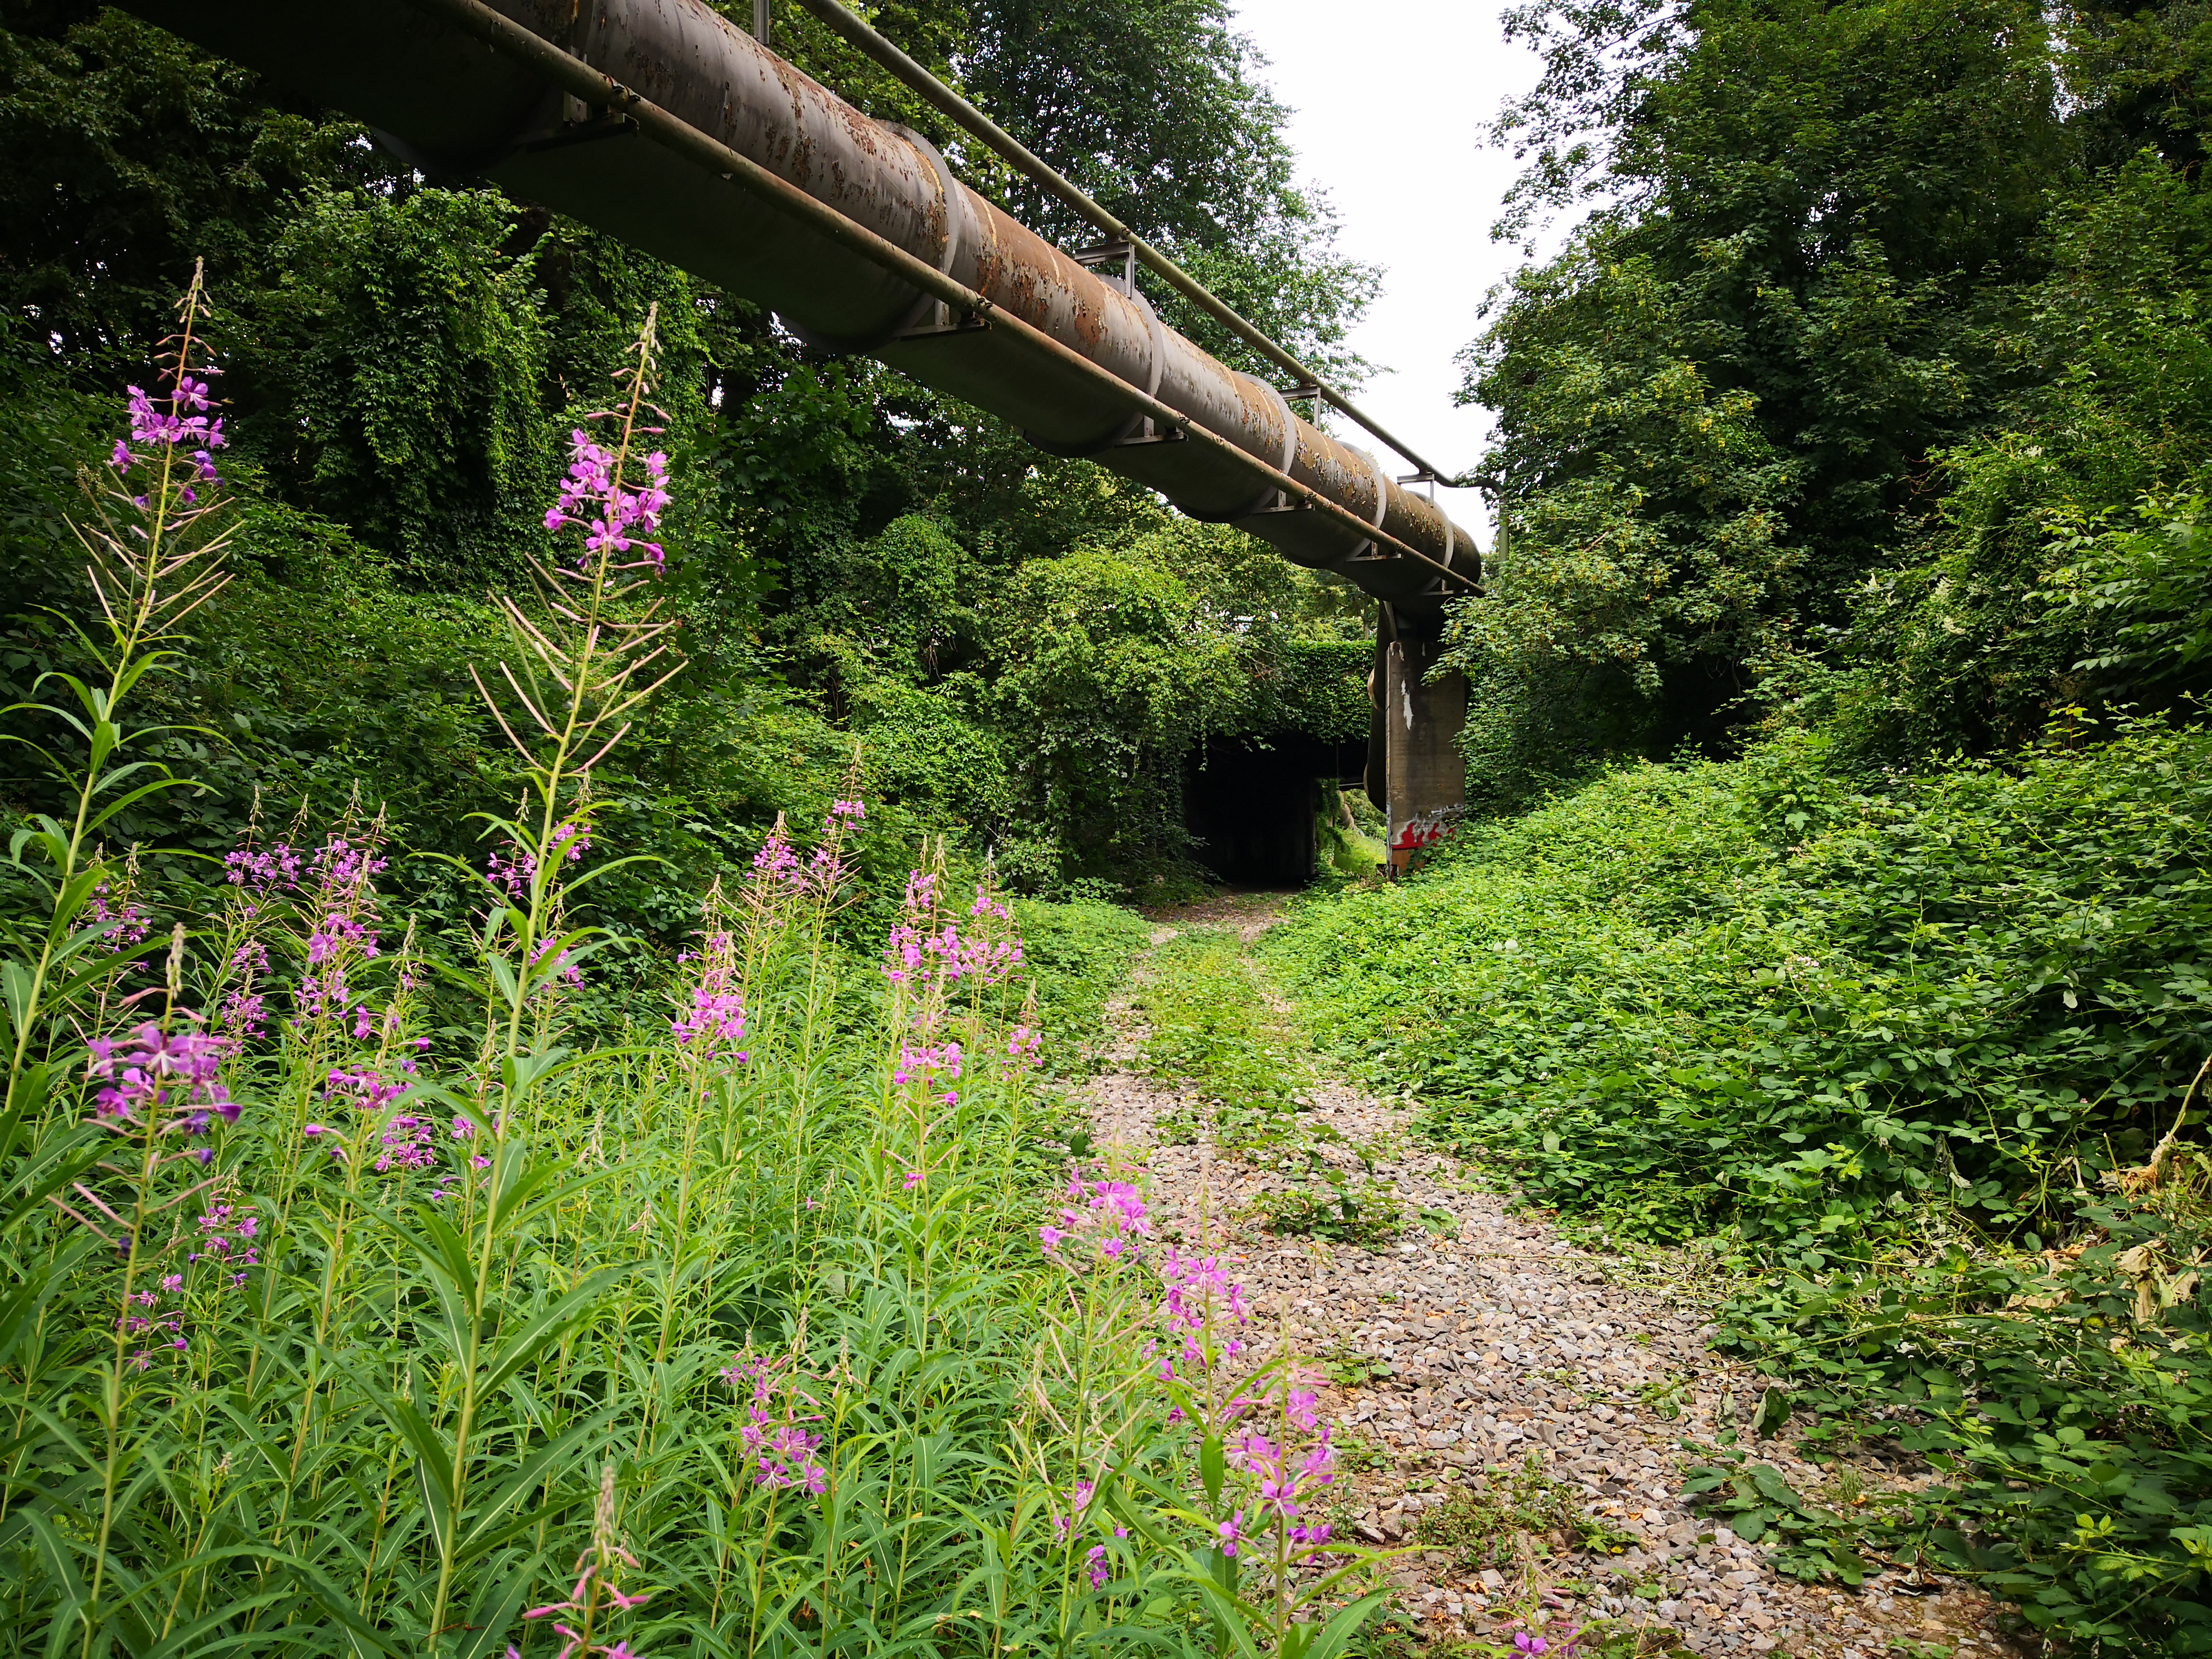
(1895, 1037)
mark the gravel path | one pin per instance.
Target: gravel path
(1514, 1354)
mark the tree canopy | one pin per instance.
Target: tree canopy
(1875, 315)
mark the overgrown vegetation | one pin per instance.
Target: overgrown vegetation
(365, 1287)
(1509, 1511)
(1837, 886)
(1026, 649)
(1919, 1047)
(1211, 1027)
(1866, 394)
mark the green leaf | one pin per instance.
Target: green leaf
(554, 1321)
(1773, 1411)
(1212, 1468)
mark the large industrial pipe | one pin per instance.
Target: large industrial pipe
(446, 101)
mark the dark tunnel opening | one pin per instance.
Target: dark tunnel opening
(1249, 803)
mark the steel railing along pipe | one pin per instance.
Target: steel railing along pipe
(660, 123)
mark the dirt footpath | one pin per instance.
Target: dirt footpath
(1520, 1411)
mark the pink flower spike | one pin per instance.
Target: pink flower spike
(913, 1179)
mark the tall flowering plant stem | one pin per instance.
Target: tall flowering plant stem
(595, 649)
(592, 649)
(154, 556)
(157, 1083)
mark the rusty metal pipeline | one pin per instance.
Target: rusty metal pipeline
(444, 99)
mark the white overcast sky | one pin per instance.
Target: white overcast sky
(1390, 101)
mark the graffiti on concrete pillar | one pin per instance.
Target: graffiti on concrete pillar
(1418, 834)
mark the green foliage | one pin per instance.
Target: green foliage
(1507, 1510)
(1079, 953)
(1102, 678)
(131, 154)
(1826, 1003)
(1919, 1046)
(2064, 1390)
(2048, 558)
(1810, 1543)
(1711, 403)
(403, 364)
(1207, 1023)
(1888, 337)
(394, 378)
(1211, 1028)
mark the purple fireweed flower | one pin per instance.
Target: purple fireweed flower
(153, 1072)
(364, 1088)
(341, 896)
(408, 1144)
(783, 1453)
(565, 971)
(1096, 1556)
(1231, 1531)
(1281, 1485)
(1110, 1214)
(1561, 1647)
(596, 499)
(1197, 1289)
(184, 425)
(913, 1179)
(225, 1241)
(715, 1022)
(514, 873)
(1061, 1524)
(921, 952)
(123, 923)
(919, 1063)
(263, 871)
(243, 1014)
(777, 861)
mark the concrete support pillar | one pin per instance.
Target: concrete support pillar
(1424, 776)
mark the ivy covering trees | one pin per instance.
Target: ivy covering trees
(856, 557)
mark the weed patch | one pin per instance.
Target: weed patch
(1365, 1211)
(1512, 1513)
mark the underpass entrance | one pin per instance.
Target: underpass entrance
(1249, 805)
